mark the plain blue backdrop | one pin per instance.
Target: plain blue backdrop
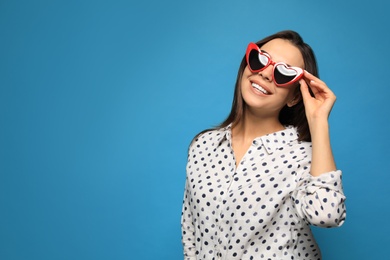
(100, 99)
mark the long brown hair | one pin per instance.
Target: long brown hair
(294, 115)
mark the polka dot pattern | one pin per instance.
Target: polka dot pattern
(262, 209)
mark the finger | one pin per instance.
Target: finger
(310, 91)
(305, 90)
(317, 82)
(315, 87)
(320, 89)
(311, 77)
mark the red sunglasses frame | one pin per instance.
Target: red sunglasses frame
(253, 46)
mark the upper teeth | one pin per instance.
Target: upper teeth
(259, 88)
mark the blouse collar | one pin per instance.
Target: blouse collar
(271, 142)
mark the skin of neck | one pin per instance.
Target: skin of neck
(254, 125)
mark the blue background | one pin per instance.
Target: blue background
(100, 99)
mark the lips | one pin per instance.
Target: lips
(260, 88)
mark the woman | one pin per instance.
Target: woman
(257, 182)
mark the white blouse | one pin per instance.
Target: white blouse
(263, 208)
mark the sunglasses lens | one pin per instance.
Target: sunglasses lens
(284, 74)
(257, 61)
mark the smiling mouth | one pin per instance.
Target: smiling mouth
(259, 88)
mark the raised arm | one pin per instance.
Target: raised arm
(318, 108)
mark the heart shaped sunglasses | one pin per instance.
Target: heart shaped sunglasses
(283, 74)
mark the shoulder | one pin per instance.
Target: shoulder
(292, 136)
(300, 147)
(287, 143)
(209, 138)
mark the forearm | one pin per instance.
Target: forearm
(322, 155)
(321, 199)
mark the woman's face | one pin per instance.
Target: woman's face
(259, 91)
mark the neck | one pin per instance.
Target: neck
(252, 126)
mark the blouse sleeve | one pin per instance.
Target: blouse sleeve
(187, 227)
(320, 200)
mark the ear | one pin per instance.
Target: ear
(295, 100)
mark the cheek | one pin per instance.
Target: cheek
(246, 72)
(245, 75)
(292, 92)
(285, 93)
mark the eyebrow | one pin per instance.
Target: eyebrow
(271, 57)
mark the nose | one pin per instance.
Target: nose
(266, 73)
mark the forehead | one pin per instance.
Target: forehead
(282, 50)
